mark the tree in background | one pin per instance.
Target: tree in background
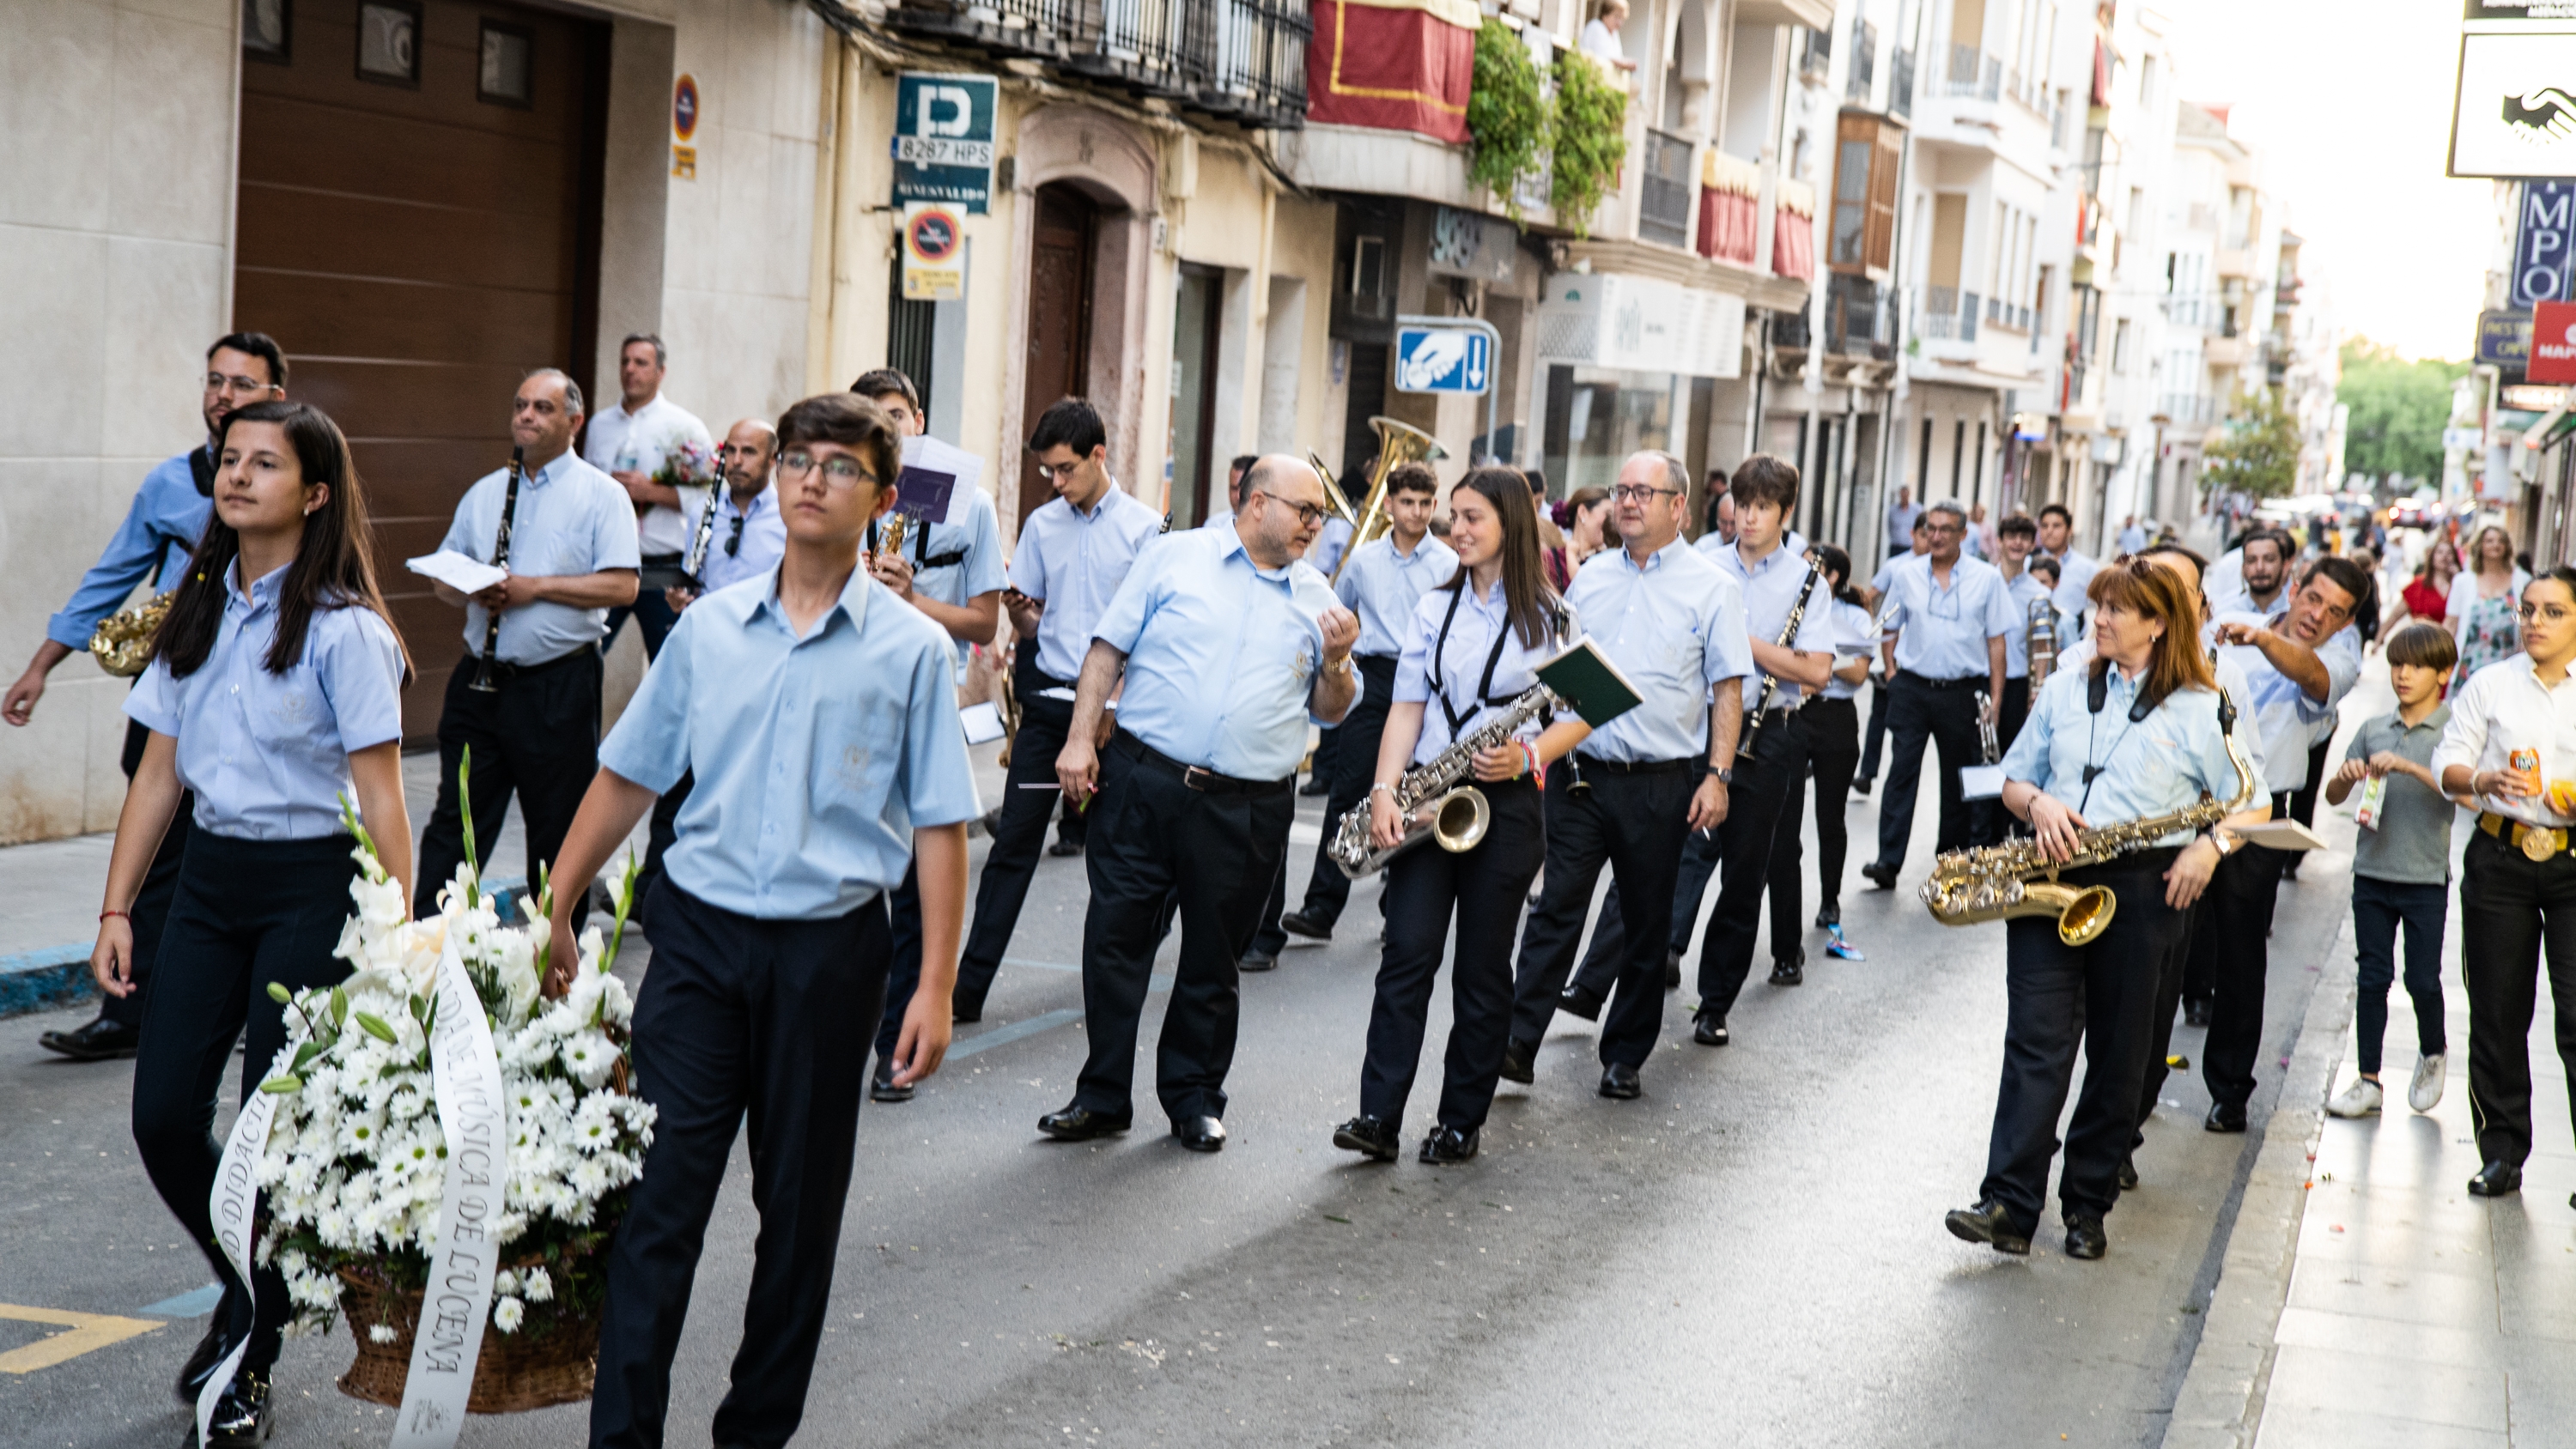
(2258, 452)
(2398, 411)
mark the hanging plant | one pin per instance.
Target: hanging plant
(1591, 139)
(1507, 114)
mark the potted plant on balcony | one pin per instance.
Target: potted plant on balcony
(1591, 138)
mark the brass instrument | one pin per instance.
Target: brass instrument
(2040, 638)
(890, 542)
(483, 681)
(1788, 635)
(1397, 444)
(2016, 878)
(1990, 749)
(122, 642)
(1435, 806)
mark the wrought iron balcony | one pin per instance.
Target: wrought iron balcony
(1949, 313)
(1860, 318)
(1241, 59)
(1900, 84)
(1975, 73)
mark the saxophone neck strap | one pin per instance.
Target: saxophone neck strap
(1484, 698)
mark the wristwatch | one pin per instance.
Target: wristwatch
(1722, 774)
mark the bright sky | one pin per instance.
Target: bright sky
(2348, 104)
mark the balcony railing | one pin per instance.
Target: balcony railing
(2001, 313)
(1864, 62)
(1974, 73)
(1900, 84)
(1949, 313)
(2184, 408)
(1859, 318)
(1664, 207)
(1243, 59)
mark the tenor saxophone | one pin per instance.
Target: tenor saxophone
(1432, 802)
(2016, 878)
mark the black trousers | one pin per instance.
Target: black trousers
(1354, 769)
(1878, 694)
(245, 913)
(738, 1016)
(1634, 822)
(2200, 962)
(1918, 713)
(1159, 844)
(151, 908)
(1756, 814)
(2102, 995)
(1832, 728)
(903, 970)
(535, 737)
(1483, 890)
(661, 834)
(1018, 836)
(2248, 886)
(2510, 908)
(652, 613)
(2199, 935)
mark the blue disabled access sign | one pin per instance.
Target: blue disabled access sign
(1443, 359)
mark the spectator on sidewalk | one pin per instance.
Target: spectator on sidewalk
(650, 444)
(2401, 865)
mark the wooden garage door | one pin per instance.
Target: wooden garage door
(416, 245)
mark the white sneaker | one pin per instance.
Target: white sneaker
(2361, 1099)
(2425, 1093)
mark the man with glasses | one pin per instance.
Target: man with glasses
(531, 717)
(1074, 552)
(1945, 620)
(1227, 643)
(160, 531)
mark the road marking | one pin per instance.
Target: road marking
(1016, 1030)
(196, 1303)
(88, 1331)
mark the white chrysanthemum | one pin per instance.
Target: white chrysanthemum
(589, 1056)
(409, 1102)
(382, 1333)
(595, 1125)
(505, 1282)
(507, 1314)
(362, 1135)
(537, 1286)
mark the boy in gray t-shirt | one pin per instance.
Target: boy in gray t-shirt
(2401, 865)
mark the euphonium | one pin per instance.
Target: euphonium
(1397, 444)
(2016, 878)
(122, 642)
(1434, 805)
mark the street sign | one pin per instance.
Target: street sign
(2553, 343)
(934, 253)
(1443, 359)
(2512, 115)
(943, 139)
(2544, 242)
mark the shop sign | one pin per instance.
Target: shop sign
(2544, 243)
(2527, 398)
(2553, 343)
(1641, 324)
(2513, 115)
(1470, 244)
(2519, 10)
(1443, 359)
(934, 253)
(943, 139)
(2504, 339)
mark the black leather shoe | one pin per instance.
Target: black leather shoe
(1520, 1062)
(2224, 1117)
(1672, 970)
(1860, 784)
(1881, 876)
(1200, 1134)
(243, 1414)
(1447, 1146)
(963, 1008)
(203, 1359)
(1789, 973)
(2085, 1238)
(2195, 1013)
(1315, 787)
(883, 1089)
(102, 1040)
(2128, 1177)
(1065, 847)
(1578, 1000)
(1620, 1082)
(1829, 915)
(1256, 959)
(1709, 1029)
(2498, 1179)
(1369, 1137)
(1990, 1224)
(1078, 1123)
(1298, 923)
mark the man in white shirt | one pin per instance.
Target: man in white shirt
(642, 443)
(1601, 35)
(2075, 571)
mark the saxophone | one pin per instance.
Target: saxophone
(2016, 878)
(122, 642)
(1434, 805)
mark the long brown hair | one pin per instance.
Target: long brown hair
(1529, 601)
(2142, 586)
(334, 567)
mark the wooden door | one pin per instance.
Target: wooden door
(417, 245)
(1065, 239)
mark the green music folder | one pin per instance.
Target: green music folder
(1585, 678)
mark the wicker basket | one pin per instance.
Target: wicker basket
(549, 1361)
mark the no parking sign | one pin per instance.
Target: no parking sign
(934, 252)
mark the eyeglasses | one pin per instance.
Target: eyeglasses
(236, 384)
(1308, 514)
(1064, 471)
(2534, 613)
(1640, 493)
(839, 470)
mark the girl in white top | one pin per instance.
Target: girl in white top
(2484, 597)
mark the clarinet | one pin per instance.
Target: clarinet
(500, 559)
(695, 563)
(1770, 685)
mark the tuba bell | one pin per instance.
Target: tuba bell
(1397, 444)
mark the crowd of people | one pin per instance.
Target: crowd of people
(797, 750)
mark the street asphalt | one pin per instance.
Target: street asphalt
(1751, 1254)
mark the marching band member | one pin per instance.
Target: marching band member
(2075, 571)
(1387, 577)
(1228, 642)
(2507, 745)
(1947, 618)
(275, 694)
(1466, 655)
(1874, 736)
(2136, 733)
(2014, 539)
(953, 573)
(1074, 552)
(1831, 723)
(1673, 623)
(819, 720)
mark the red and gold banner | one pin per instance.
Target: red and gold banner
(1397, 65)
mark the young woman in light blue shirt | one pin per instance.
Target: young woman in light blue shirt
(275, 691)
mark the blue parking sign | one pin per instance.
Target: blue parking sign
(1443, 359)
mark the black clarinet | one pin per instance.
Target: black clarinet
(1770, 685)
(483, 682)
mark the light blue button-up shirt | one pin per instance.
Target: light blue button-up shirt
(2025, 588)
(976, 546)
(2161, 763)
(268, 754)
(572, 519)
(1461, 658)
(1330, 544)
(1220, 653)
(2288, 720)
(1770, 591)
(1381, 586)
(161, 529)
(1855, 637)
(1941, 633)
(815, 756)
(1074, 562)
(2074, 575)
(761, 529)
(1675, 628)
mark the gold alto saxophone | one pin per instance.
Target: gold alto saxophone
(1430, 799)
(2016, 878)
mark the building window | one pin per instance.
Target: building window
(268, 30)
(507, 68)
(2120, 347)
(389, 42)
(1866, 153)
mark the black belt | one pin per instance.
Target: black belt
(1198, 777)
(504, 669)
(1583, 761)
(1964, 681)
(1375, 664)
(672, 557)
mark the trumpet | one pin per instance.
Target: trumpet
(1397, 443)
(2040, 636)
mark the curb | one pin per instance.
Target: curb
(46, 980)
(2220, 1405)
